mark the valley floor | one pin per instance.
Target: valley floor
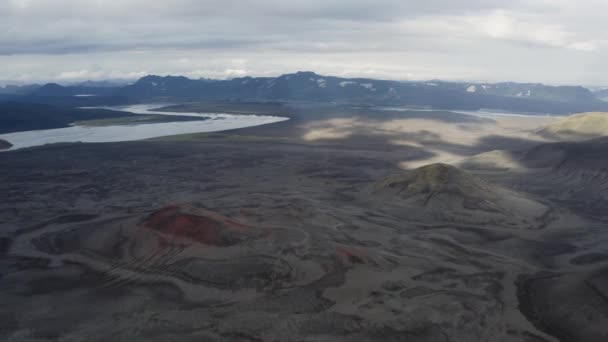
(287, 232)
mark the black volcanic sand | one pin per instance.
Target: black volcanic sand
(572, 306)
(266, 241)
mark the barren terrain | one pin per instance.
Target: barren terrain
(341, 224)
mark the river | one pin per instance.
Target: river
(215, 122)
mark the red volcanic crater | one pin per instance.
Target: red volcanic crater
(349, 255)
(198, 225)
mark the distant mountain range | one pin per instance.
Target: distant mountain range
(311, 87)
(601, 94)
(18, 89)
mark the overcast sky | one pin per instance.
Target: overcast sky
(550, 41)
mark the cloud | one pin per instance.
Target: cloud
(386, 38)
(500, 25)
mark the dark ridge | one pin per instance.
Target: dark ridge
(18, 116)
(5, 144)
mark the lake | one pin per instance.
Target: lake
(215, 122)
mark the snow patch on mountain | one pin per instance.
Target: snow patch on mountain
(369, 86)
(347, 83)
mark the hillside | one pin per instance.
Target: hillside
(588, 156)
(579, 126)
(426, 184)
(449, 194)
(570, 172)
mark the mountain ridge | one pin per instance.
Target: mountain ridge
(311, 87)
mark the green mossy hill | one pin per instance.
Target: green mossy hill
(584, 125)
(434, 179)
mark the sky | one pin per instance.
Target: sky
(548, 41)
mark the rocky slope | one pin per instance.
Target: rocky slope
(450, 194)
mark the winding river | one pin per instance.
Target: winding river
(215, 122)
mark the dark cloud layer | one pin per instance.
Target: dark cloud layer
(470, 39)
